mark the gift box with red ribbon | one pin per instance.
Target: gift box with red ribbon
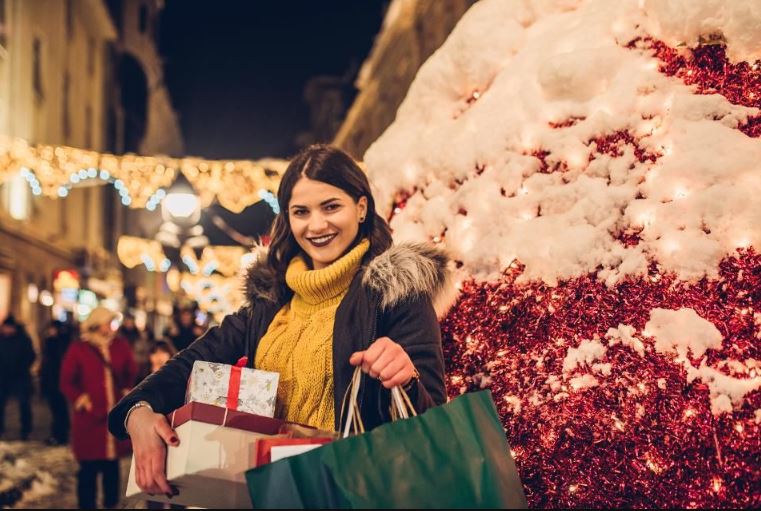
(233, 387)
(216, 447)
(267, 450)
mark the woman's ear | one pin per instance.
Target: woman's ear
(362, 208)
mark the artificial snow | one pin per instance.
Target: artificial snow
(726, 392)
(624, 335)
(535, 63)
(686, 21)
(587, 352)
(682, 331)
(584, 381)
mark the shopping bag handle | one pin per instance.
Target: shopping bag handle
(401, 405)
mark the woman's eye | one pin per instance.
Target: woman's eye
(299, 212)
(332, 207)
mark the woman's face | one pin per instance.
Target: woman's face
(158, 359)
(324, 220)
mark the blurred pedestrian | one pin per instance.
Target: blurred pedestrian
(97, 371)
(161, 352)
(138, 340)
(184, 332)
(55, 345)
(16, 358)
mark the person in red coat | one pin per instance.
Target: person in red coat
(96, 372)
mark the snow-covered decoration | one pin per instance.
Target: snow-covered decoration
(594, 168)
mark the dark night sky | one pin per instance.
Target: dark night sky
(236, 69)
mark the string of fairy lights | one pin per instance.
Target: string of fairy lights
(142, 181)
(53, 171)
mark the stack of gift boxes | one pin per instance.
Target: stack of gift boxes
(226, 427)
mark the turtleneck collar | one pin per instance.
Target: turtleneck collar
(323, 287)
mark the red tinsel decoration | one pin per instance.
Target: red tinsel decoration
(643, 437)
(708, 69)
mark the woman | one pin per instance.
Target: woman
(96, 372)
(160, 353)
(332, 293)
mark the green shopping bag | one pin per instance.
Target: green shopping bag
(452, 456)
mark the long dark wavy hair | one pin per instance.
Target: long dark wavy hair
(330, 165)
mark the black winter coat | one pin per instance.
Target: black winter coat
(16, 358)
(392, 295)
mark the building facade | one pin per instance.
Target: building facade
(62, 67)
(412, 30)
(52, 90)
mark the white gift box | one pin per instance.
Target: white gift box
(237, 388)
(216, 446)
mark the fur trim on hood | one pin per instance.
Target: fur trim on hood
(401, 272)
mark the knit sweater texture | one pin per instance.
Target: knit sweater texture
(299, 341)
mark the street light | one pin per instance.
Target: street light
(181, 205)
(181, 211)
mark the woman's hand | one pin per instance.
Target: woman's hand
(150, 433)
(83, 402)
(387, 361)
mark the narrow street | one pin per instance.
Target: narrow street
(35, 475)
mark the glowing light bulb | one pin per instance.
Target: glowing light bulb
(743, 242)
(576, 160)
(646, 218)
(527, 215)
(671, 246)
(182, 205)
(573, 488)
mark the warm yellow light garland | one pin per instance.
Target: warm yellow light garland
(234, 183)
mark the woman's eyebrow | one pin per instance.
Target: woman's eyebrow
(323, 203)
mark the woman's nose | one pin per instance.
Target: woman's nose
(317, 223)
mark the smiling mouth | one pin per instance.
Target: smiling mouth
(322, 241)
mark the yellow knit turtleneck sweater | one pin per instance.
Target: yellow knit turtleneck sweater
(299, 341)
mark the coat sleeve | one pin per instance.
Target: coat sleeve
(414, 326)
(28, 352)
(70, 379)
(165, 389)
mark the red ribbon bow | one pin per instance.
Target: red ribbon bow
(233, 386)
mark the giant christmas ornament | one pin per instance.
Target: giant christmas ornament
(594, 168)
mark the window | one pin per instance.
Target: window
(69, 19)
(39, 91)
(3, 26)
(66, 110)
(143, 18)
(88, 127)
(91, 56)
(16, 197)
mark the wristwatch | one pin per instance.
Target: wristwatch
(134, 407)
